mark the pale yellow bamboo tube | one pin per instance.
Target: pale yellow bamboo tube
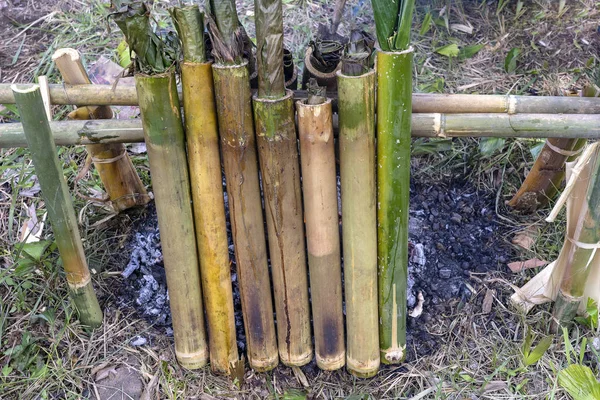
(209, 212)
(280, 169)
(116, 171)
(238, 146)
(322, 231)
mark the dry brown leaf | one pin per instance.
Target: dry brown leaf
(494, 386)
(300, 376)
(106, 372)
(488, 300)
(518, 266)
(525, 238)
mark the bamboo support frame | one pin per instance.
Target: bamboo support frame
(394, 79)
(165, 142)
(58, 203)
(426, 103)
(585, 126)
(280, 169)
(116, 171)
(322, 231)
(238, 146)
(359, 220)
(209, 212)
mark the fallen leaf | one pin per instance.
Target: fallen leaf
(105, 373)
(300, 376)
(418, 310)
(488, 300)
(525, 238)
(494, 386)
(518, 266)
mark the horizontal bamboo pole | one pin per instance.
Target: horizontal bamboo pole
(125, 95)
(586, 126)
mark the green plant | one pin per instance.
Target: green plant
(532, 356)
(591, 319)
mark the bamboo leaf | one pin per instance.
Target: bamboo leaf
(449, 50)
(123, 54)
(580, 382)
(385, 13)
(510, 62)
(426, 25)
(469, 51)
(488, 146)
(538, 351)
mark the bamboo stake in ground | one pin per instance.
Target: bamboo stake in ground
(280, 168)
(394, 78)
(238, 145)
(116, 171)
(165, 140)
(322, 229)
(58, 203)
(207, 188)
(359, 219)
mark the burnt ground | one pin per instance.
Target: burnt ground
(453, 235)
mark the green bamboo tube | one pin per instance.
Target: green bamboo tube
(394, 77)
(359, 220)
(58, 203)
(322, 231)
(238, 146)
(278, 153)
(165, 142)
(204, 163)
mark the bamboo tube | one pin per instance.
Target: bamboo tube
(322, 231)
(165, 143)
(116, 171)
(585, 126)
(207, 189)
(280, 171)
(359, 220)
(425, 103)
(232, 92)
(393, 176)
(58, 203)
(278, 151)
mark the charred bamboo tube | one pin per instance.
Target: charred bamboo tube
(116, 171)
(238, 146)
(585, 126)
(123, 95)
(204, 163)
(278, 151)
(359, 220)
(165, 141)
(58, 203)
(394, 77)
(322, 231)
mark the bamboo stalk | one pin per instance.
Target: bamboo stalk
(394, 77)
(58, 203)
(238, 146)
(359, 220)
(165, 143)
(124, 95)
(207, 189)
(322, 231)
(586, 126)
(116, 171)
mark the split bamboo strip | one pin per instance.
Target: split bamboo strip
(58, 203)
(359, 220)
(280, 171)
(585, 126)
(116, 171)
(207, 189)
(123, 95)
(238, 146)
(322, 231)
(165, 142)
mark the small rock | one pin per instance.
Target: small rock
(456, 218)
(440, 246)
(138, 341)
(596, 343)
(445, 273)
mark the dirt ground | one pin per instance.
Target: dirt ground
(467, 345)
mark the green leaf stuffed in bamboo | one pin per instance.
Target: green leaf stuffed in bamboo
(238, 146)
(356, 110)
(204, 163)
(58, 203)
(394, 108)
(280, 169)
(165, 140)
(319, 184)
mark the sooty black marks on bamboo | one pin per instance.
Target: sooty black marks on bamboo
(331, 335)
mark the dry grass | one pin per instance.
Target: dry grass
(479, 354)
